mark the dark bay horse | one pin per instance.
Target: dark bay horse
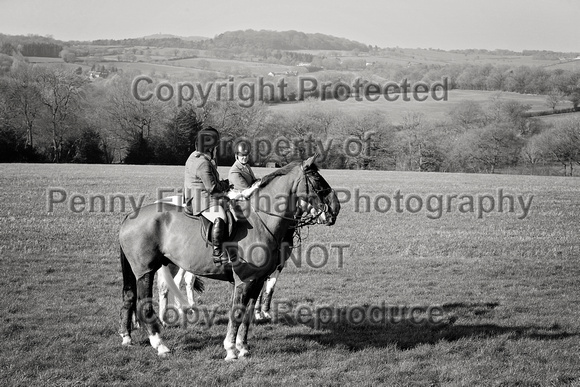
(160, 233)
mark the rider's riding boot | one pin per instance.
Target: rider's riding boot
(217, 238)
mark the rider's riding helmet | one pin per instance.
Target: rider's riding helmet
(207, 139)
(242, 149)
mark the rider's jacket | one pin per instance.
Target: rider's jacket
(241, 176)
(202, 182)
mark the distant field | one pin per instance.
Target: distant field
(40, 59)
(393, 56)
(191, 70)
(435, 110)
(233, 66)
(558, 117)
(507, 284)
(427, 56)
(171, 71)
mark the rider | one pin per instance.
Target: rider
(204, 189)
(241, 174)
(242, 177)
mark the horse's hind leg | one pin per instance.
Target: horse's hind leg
(163, 291)
(129, 298)
(251, 292)
(146, 313)
(189, 281)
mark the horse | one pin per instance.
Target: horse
(158, 234)
(261, 308)
(193, 284)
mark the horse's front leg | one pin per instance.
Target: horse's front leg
(267, 298)
(251, 292)
(258, 308)
(264, 300)
(147, 315)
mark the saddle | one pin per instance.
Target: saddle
(233, 213)
(207, 226)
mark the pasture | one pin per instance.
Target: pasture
(413, 56)
(507, 286)
(434, 109)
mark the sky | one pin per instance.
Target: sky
(439, 24)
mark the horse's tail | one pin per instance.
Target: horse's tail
(168, 279)
(128, 275)
(198, 285)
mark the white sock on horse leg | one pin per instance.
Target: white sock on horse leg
(189, 281)
(158, 344)
(270, 284)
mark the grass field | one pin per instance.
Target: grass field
(428, 56)
(507, 285)
(433, 109)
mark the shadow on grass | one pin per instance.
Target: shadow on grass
(407, 331)
(357, 328)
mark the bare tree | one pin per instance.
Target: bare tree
(533, 151)
(468, 114)
(362, 138)
(487, 149)
(60, 92)
(562, 143)
(234, 120)
(21, 95)
(132, 118)
(553, 98)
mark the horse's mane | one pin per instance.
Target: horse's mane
(284, 171)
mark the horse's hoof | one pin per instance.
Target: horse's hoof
(244, 353)
(231, 357)
(127, 341)
(162, 350)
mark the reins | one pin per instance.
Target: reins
(299, 222)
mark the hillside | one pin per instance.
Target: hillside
(286, 40)
(255, 45)
(170, 36)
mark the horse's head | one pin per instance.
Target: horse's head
(309, 198)
(322, 204)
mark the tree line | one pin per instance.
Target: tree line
(32, 45)
(53, 114)
(247, 39)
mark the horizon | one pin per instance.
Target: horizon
(152, 36)
(445, 24)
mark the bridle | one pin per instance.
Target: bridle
(312, 213)
(301, 218)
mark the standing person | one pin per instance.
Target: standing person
(204, 189)
(241, 174)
